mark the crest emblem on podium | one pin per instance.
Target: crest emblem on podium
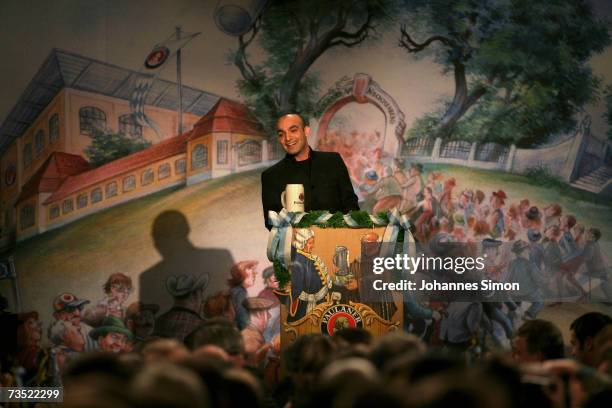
(340, 317)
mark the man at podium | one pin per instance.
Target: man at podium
(324, 175)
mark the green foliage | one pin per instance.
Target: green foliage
(362, 218)
(426, 125)
(608, 113)
(292, 35)
(108, 146)
(528, 60)
(542, 175)
(283, 276)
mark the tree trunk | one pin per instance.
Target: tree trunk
(462, 101)
(290, 86)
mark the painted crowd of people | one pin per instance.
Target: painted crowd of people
(115, 325)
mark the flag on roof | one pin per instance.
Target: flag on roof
(153, 65)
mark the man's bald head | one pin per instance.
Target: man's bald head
(303, 121)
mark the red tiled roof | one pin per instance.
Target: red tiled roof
(227, 116)
(164, 149)
(52, 173)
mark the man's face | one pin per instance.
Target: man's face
(272, 282)
(292, 134)
(113, 342)
(250, 274)
(581, 352)
(521, 354)
(309, 245)
(70, 314)
(119, 292)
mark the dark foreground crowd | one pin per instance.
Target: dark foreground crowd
(350, 369)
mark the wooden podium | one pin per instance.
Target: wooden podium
(329, 285)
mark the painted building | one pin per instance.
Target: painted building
(46, 179)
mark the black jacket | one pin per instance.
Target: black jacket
(330, 186)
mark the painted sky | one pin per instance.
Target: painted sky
(122, 32)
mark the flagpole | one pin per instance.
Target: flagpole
(179, 83)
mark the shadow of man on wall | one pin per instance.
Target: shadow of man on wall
(169, 282)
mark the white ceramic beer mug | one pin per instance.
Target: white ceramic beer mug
(293, 198)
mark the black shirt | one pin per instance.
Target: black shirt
(327, 185)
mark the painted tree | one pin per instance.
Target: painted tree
(520, 67)
(608, 113)
(108, 146)
(293, 34)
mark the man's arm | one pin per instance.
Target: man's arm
(348, 198)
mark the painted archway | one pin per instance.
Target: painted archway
(363, 89)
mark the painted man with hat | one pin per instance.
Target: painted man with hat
(67, 307)
(529, 278)
(184, 316)
(112, 335)
(534, 218)
(490, 251)
(497, 200)
(67, 343)
(367, 200)
(310, 280)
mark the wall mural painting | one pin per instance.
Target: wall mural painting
(130, 175)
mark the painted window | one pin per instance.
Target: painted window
(222, 151)
(53, 128)
(27, 155)
(82, 200)
(96, 195)
(147, 177)
(163, 171)
(199, 156)
(111, 189)
(54, 211)
(27, 216)
(129, 127)
(180, 166)
(249, 152)
(91, 118)
(129, 183)
(67, 206)
(39, 142)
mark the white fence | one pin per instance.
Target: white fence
(568, 159)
